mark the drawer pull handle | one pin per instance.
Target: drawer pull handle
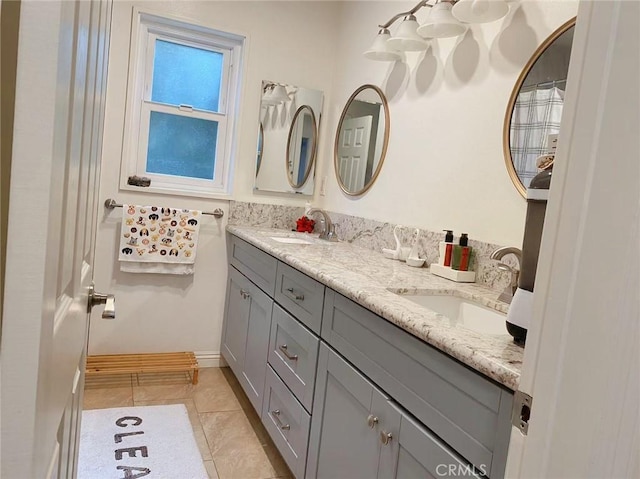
(295, 296)
(385, 437)
(244, 294)
(285, 351)
(372, 421)
(276, 417)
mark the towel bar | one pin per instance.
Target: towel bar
(110, 204)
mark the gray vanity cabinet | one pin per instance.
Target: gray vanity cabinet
(343, 440)
(418, 453)
(245, 337)
(358, 432)
(470, 413)
(366, 399)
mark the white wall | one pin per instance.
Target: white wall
(444, 166)
(171, 313)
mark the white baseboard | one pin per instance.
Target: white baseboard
(209, 359)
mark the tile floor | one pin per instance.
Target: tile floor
(231, 438)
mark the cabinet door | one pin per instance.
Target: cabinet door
(245, 342)
(257, 350)
(236, 321)
(419, 454)
(342, 443)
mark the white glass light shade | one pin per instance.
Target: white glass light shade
(406, 38)
(380, 50)
(441, 23)
(268, 98)
(280, 94)
(480, 11)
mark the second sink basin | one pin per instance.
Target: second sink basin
(463, 312)
(284, 239)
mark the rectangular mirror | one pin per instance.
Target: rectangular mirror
(287, 138)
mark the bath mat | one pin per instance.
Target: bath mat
(135, 442)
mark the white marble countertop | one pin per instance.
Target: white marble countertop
(373, 281)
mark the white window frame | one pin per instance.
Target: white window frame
(146, 29)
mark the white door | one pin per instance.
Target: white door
(582, 356)
(61, 72)
(353, 151)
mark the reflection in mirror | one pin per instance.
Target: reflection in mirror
(361, 140)
(301, 146)
(260, 148)
(278, 108)
(534, 112)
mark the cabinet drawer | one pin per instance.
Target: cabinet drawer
(302, 296)
(255, 264)
(287, 423)
(469, 412)
(293, 354)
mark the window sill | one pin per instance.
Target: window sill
(159, 190)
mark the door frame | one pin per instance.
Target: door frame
(582, 348)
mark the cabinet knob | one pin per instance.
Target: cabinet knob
(372, 421)
(244, 294)
(385, 437)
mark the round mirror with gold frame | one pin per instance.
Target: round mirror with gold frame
(260, 148)
(534, 110)
(361, 140)
(301, 146)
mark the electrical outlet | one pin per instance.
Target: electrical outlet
(323, 186)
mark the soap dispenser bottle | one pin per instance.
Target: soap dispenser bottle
(461, 254)
(446, 248)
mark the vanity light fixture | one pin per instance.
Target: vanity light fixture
(381, 50)
(441, 23)
(406, 38)
(274, 94)
(448, 18)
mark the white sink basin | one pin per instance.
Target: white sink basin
(284, 239)
(464, 313)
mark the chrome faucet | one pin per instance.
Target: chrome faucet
(329, 232)
(509, 291)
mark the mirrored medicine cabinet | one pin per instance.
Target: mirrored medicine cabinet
(287, 138)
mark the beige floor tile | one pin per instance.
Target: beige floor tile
(107, 398)
(276, 460)
(211, 469)
(213, 392)
(236, 388)
(198, 432)
(162, 392)
(257, 426)
(235, 448)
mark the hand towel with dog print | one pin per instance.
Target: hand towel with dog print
(158, 240)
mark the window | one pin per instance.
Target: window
(182, 95)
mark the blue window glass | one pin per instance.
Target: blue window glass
(184, 75)
(181, 146)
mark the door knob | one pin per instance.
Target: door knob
(109, 301)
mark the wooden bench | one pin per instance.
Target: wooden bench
(143, 363)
